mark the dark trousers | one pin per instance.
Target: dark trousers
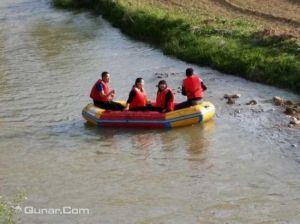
(187, 103)
(149, 107)
(110, 105)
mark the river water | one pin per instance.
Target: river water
(238, 168)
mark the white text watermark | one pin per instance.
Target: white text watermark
(66, 210)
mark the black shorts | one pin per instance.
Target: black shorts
(110, 105)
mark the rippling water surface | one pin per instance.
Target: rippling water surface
(216, 173)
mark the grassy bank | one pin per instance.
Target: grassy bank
(10, 207)
(231, 45)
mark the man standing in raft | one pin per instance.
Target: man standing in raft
(164, 98)
(192, 88)
(102, 96)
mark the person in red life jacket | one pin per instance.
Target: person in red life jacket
(103, 96)
(192, 88)
(137, 100)
(164, 98)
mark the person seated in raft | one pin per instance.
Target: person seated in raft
(164, 98)
(103, 96)
(192, 88)
(137, 100)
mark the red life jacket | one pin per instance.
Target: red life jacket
(139, 100)
(192, 86)
(95, 94)
(161, 99)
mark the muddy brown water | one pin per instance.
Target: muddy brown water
(242, 167)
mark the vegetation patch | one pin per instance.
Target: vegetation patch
(9, 207)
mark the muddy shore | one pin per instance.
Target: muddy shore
(253, 108)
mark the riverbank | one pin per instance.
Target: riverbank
(233, 46)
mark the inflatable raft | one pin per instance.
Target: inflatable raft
(149, 119)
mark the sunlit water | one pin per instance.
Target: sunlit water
(220, 172)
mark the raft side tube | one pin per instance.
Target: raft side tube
(149, 119)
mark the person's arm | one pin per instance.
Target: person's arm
(203, 86)
(146, 97)
(183, 92)
(101, 91)
(130, 98)
(169, 98)
(99, 87)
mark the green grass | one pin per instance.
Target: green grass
(8, 208)
(231, 46)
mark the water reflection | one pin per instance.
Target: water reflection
(198, 139)
(188, 143)
(135, 141)
(144, 141)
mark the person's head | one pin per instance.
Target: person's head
(139, 83)
(105, 76)
(162, 85)
(189, 72)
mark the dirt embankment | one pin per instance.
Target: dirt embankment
(265, 11)
(282, 17)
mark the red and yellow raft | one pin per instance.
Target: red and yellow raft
(149, 119)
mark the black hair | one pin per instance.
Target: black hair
(104, 74)
(138, 80)
(162, 82)
(189, 71)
